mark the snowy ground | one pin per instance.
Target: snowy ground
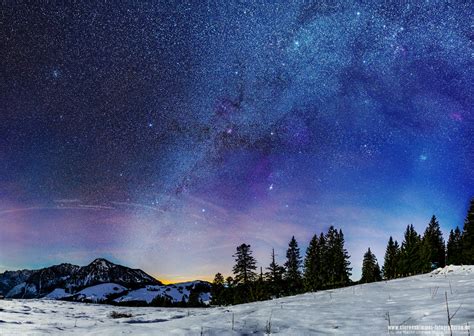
(357, 310)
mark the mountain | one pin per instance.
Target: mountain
(103, 271)
(10, 279)
(101, 282)
(71, 278)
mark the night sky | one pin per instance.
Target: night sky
(162, 135)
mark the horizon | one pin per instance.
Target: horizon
(162, 136)
(379, 252)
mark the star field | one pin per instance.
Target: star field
(182, 129)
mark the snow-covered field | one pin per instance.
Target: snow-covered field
(358, 310)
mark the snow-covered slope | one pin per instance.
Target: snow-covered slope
(100, 292)
(358, 310)
(176, 292)
(115, 293)
(56, 294)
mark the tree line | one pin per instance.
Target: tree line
(326, 263)
(419, 254)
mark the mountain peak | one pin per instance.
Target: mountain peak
(101, 262)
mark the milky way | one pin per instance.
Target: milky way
(163, 134)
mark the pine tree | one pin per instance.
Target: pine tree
(342, 263)
(392, 253)
(229, 291)
(336, 259)
(331, 252)
(468, 237)
(274, 277)
(323, 256)
(454, 247)
(293, 266)
(312, 265)
(409, 263)
(245, 265)
(229, 282)
(377, 272)
(435, 243)
(424, 256)
(259, 289)
(217, 290)
(194, 298)
(370, 268)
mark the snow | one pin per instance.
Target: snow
(356, 310)
(100, 292)
(175, 292)
(453, 269)
(57, 293)
(143, 294)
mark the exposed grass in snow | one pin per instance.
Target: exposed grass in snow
(115, 314)
(365, 309)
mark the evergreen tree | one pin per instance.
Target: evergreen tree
(454, 247)
(312, 265)
(331, 252)
(228, 291)
(409, 263)
(370, 268)
(293, 266)
(435, 243)
(245, 265)
(424, 256)
(274, 277)
(195, 298)
(468, 237)
(323, 274)
(342, 263)
(259, 290)
(390, 266)
(217, 290)
(377, 272)
(336, 259)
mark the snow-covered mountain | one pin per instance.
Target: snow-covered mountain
(10, 279)
(71, 278)
(102, 271)
(101, 282)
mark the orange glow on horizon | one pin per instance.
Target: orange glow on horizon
(172, 280)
